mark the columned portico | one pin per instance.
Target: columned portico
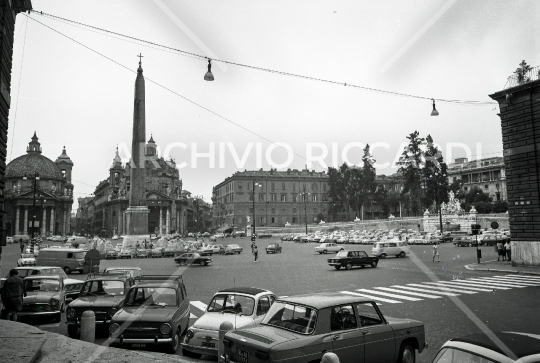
(17, 212)
(52, 220)
(160, 220)
(167, 222)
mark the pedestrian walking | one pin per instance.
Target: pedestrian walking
(12, 293)
(436, 252)
(508, 249)
(22, 246)
(255, 251)
(500, 251)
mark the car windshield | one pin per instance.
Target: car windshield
(131, 272)
(298, 318)
(79, 255)
(103, 287)
(27, 255)
(342, 254)
(232, 303)
(151, 296)
(42, 285)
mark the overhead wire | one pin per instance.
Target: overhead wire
(288, 74)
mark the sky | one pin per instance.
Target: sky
(74, 85)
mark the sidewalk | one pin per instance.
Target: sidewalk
(503, 266)
(23, 343)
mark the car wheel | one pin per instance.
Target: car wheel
(337, 267)
(402, 254)
(325, 252)
(374, 264)
(406, 354)
(383, 255)
(348, 266)
(202, 263)
(187, 353)
(67, 270)
(72, 331)
(173, 348)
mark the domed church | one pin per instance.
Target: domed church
(39, 190)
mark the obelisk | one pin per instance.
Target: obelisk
(137, 211)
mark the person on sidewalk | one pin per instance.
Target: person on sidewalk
(13, 292)
(508, 249)
(500, 251)
(436, 252)
(22, 246)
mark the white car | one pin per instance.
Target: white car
(126, 253)
(210, 249)
(241, 306)
(390, 248)
(115, 237)
(220, 235)
(329, 247)
(9, 239)
(27, 259)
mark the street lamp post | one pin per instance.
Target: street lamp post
(35, 179)
(259, 185)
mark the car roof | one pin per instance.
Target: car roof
(245, 290)
(521, 344)
(43, 277)
(36, 267)
(123, 268)
(323, 299)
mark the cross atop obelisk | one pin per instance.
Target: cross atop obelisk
(140, 59)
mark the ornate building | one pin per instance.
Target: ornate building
(105, 212)
(34, 179)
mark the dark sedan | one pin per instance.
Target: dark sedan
(193, 258)
(349, 259)
(273, 248)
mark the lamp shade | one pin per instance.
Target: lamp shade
(434, 112)
(209, 76)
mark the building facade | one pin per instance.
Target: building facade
(486, 174)
(272, 197)
(39, 193)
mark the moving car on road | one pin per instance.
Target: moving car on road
(45, 295)
(481, 348)
(349, 259)
(241, 306)
(465, 242)
(300, 329)
(329, 247)
(133, 271)
(101, 293)
(193, 258)
(27, 259)
(273, 248)
(390, 248)
(210, 250)
(157, 310)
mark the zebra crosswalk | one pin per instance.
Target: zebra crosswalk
(415, 292)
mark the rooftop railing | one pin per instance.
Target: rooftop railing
(523, 77)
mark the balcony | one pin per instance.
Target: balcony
(524, 76)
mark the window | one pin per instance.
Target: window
(324, 187)
(282, 186)
(273, 197)
(450, 355)
(294, 198)
(314, 187)
(273, 220)
(273, 186)
(263, 305)
(368, 315)
(250, 210)
(251, 197)
(486, 186)
(294, 187)
(324, 198)
(297, 318)
(294, 220)
(283, 197)
(294, 210)
(304, 197)
(240, 187)
(261, 197)
(342, 318)
(273, 211)
(314, 198)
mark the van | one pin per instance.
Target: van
(390, 248)
(69, 259)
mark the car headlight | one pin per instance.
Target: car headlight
(190, 334)
(113, 328)
(70, 313)
(165, 329)
(54, 302)
(112, 311)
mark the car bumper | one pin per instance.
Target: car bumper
(155, 340)
(200, 350)
(98, 322)
(334, 264)
(38, 313)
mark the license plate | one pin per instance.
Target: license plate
(138, 345)
(207, 344)
(242, 356)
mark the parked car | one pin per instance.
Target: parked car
(45, 295)
(133, 271)
(101, 293)
(157, 252)
(481, 348)
(126, 253)
(41, 271)
(193, 258)
(211, 249)
(206, 234)
(264, 235)
(156, 309)
(238, 234)
(465, 242)
(329, 247)
(349, 259)
(72, 287)
(390, 248)
(302, 328)
(232, 249)
(70, 259)
(144, 253)
(492, 239)
(27, 259)
(111, 255)
(220, 235)
(115, 237)
(273, 248)
(241, 306)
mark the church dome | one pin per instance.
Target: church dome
(33, 162)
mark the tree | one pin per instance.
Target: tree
(335, 191)
(521, 72)
(411, 161)
(391, 202)
(475, 197)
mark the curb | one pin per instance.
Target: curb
(501, 270)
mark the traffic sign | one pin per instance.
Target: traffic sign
(494, 225)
